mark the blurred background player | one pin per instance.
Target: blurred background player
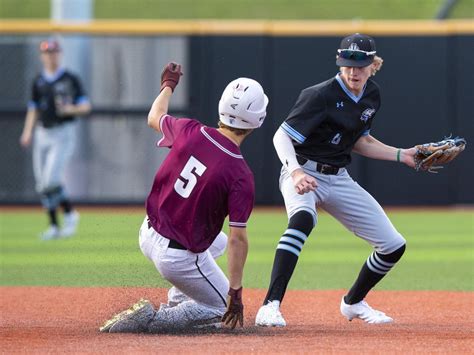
(203, 180)
(328, 122)
(57, 99)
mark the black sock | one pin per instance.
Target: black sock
(373, 270)
(287, 253)
(53, 219)
(283, 267)
(66, 205)
(364, 283)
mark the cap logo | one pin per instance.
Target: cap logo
(354, 47)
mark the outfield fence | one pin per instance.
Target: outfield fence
(426, 93)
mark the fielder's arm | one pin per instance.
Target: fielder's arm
(370, 147)
(286, 152)
(84, 108)
(159, 108)
(30, 121)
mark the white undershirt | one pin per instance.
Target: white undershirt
(285, 150)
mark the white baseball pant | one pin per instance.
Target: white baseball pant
(348, 202)
(200, 286)
(52, 149)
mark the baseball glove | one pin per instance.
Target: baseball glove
(430, 156)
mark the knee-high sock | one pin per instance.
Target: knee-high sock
(287, 253)
(51, 197)
(66, 205)
(373, 270)
(53, 219)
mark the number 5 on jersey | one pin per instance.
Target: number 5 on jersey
(188, 177)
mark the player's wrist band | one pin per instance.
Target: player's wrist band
(398, 155)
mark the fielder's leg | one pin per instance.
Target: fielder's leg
(288, 250)
(360, 213)
(286, 256)
(301, 210)
(62, 147)
(41, 147)
(373, 270)
(50, 199)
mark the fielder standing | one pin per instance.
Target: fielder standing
(57, 99)
(203, 179)
(328, 122)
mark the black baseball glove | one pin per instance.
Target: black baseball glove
(431, 156)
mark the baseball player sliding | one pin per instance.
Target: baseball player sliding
(203, 179)
(328, 122)
(57, 99)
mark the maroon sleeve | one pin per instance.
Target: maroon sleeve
(172, 127)
(241, 201)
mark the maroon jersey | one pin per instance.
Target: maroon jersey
(203, 180)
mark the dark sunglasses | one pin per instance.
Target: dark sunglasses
(355, 54)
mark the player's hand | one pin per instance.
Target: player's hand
(408, 156)
(25, 139)
(170, 76)
(235, 309)
(65, 110)
(303, 182)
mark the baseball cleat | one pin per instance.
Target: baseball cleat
(212, 323)
(71, 220)
(269, 315)
(132, 320)
(363, 311)
(51, 233)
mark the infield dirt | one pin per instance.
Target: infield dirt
(58, 320)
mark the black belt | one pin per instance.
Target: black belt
(325, 169)
(173, 243)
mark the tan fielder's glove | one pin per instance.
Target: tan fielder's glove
(431, 156)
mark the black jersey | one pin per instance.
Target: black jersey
(327, 120)
(63, 88)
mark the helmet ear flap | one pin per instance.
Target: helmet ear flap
(243, 104)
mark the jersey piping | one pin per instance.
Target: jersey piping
(53, 77)
(353, 97)
(220, 146)
(293, 133)
(238, 224)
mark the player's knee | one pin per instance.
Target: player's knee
(302, 221)
(394, 256)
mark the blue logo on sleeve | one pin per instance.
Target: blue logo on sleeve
(367, 114)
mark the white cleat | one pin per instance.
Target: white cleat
(269, 315)
(71, 220)
(51, 233)
(363, 311)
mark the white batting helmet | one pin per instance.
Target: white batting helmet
(243, 104)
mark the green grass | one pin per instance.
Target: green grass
(269, 9)
(440, 253)
(247, 9)
(463, 9)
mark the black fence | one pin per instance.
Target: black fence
(426, 86)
